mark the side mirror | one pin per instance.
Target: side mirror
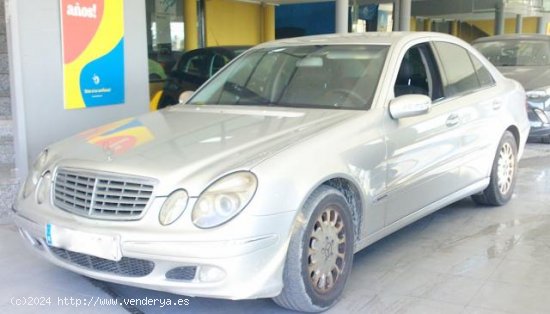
(409, 106)
(184, 97)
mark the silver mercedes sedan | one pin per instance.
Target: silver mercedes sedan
(266, 181)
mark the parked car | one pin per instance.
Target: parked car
(192, 70)
(525, 58)
(267, 180)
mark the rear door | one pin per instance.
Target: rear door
(477, 99)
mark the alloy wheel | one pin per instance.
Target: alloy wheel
(506, 168)
(327, 247)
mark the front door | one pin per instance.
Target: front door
(422, 167)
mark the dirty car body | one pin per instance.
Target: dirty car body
(296, 155)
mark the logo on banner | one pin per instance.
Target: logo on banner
(85, 12)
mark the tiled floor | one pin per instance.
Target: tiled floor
(462, 259)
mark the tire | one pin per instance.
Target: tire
(503, 174)
(315, 287)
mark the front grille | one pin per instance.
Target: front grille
(182, 273)
(127, 267)
(101, 195)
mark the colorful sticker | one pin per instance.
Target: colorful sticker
(119, 137)
(93, 52)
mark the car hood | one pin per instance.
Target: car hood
(187, 144)
(531, 77)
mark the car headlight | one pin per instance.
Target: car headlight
(224, 199)
(34, 173)
(542, 116)
(173, 207)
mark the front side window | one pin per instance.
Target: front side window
(317, 76)
(418, 74)
(516, 52)
(459, 75)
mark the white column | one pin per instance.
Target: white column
(405, 15)
(541, 24)
(499, 18)
(341, 16)
(519, 24)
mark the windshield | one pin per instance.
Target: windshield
(516, 52)
(321, 76)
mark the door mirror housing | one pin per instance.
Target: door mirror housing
(184, 97)
(409, 106)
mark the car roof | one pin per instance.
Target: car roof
(512, 37)
(382, 38)
(227, 48)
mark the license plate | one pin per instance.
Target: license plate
(99, 245)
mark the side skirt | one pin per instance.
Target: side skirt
(407, 220)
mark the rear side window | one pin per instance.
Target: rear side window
(484, 77)
(457, 69)
(195, 65)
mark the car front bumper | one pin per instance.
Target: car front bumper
(239, 267)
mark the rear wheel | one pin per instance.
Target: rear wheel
(503, 174)
(320, 253)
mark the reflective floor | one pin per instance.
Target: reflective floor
(462, 259)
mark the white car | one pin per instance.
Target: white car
(293, 157)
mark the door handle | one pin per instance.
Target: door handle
(452, 120)
(497, 104)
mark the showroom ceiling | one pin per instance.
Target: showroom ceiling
(452, 9)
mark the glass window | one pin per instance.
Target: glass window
(484, 77)
(418, 74)
(516, 52)
(320, 76)
(459, 75)
(217, 62)
(197, 65)
(165, 35)
(412, 77)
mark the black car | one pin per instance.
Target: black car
(526, 59)
(193, 69)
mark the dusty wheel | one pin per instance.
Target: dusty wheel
(320, 253)
(503, 174)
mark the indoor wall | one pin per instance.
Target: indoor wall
(488, 26)
(230, 22)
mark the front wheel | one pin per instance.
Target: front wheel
(503, 174)
(320, 253)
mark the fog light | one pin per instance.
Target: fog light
(43, 190)
(211, 274)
